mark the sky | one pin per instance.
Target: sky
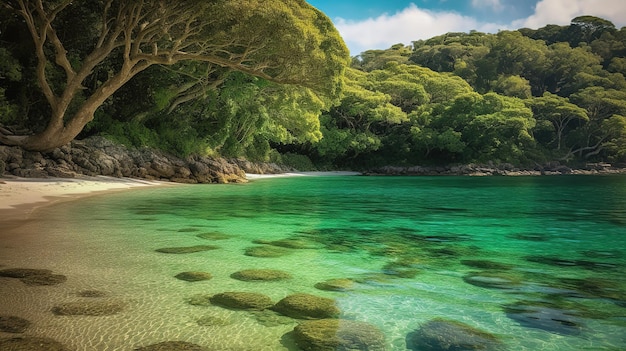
(379, 24)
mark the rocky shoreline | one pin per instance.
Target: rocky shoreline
(97, 156)
(552, 168)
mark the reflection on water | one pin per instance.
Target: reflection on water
(422, 263)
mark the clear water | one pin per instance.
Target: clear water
(539, 262)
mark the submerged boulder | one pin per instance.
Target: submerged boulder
(266, 251)
(172, 346)
(306, 306)
(186, 249)
(341, 284)
(241, 300)
(89, 308)
(260, 275)
(214, 236)
(441, 334)
(338, 334)
(31, 276)
(548, 318)
(193, 276)
(493, 280)
(13, 324)
(31, 343)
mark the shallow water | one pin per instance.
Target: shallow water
(539, 262)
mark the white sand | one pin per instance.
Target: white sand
(34, 192)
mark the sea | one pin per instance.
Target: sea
(536, 263)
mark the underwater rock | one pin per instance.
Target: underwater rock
(91, 293)
(214, 236)
(306, 306)
(200, 300)
(189, 230)
(534, 315)
(172, 346)
(270, 318)
(441, 334)
(342, 284)
(563, 262)
(260, 275)
(401, 268)
(290, 243)
(193, 276)
(242, 300)
(338, 334)
(266, 251)
(493, 280)
(186, 249)
(31, 343)
(595, 287)
(13, 324)
(530, 237)
(211, 321)
(23, 272)
(33, 276)
(89, 308)
(486, 264)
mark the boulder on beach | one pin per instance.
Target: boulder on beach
(338, 334)
(307, 306)
(260, 275)
(440, 334)
(241, 300)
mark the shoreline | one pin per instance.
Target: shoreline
(20, 197)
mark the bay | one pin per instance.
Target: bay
(538, 262)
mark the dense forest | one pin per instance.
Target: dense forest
(273, 81)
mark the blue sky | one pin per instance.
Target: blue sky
(378, 24)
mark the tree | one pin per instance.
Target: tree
(559, 112)
(287, 42)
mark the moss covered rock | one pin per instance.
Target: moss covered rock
(338, 334)
(260, 275)
(342, 284)
(266, 251)
(186, 249)
(307, 306)
(31, 344)
(172, 346)
(89, 308)
(441, 334)
(242, 300)
(13, 324)
(193, 276)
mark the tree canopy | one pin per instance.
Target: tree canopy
(86, 51)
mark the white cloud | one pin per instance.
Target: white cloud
(561, 12)
(494, 5)
(405, 26)
(414, 23)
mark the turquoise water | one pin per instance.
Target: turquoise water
(539, 262)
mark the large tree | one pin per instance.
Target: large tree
(283, 41)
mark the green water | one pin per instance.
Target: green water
(539, 262)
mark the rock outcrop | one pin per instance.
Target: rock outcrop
(97, 156)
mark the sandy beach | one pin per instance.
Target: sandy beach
(19, 197)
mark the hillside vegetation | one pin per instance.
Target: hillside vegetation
(280, 87)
